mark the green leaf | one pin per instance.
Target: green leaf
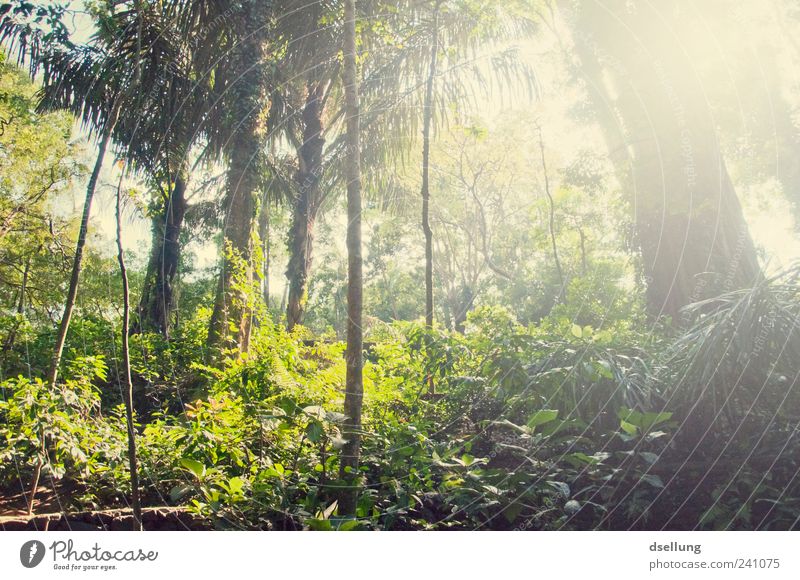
(319, 525)
(349, 525)
(315, 411)
(271, 472)
(583, 458)
(653, 480)
(561, 487)
(195, 467)
(644, 421)
(630, 416)
(542, 417)
(577, 331)
(511, 512)
(235, 485)
(604, 369)
(179, 492)
(651, 458)
(650, 420)
(315, 431)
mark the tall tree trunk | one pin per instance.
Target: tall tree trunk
(354, 394)
(425, 190)
(231, 307)
(77, 262)
(231, 320)
(157, 300)
(426, 153)
(306, 204)
(690, 227)
(264, 235)
(126, 361)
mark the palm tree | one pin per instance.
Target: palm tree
(455, 33)
(354, 389)
(161, 144)
(308, 74)
(66, 69)
(310, 104)
(155, 129)
(308, 107)
(233, 55)
(158, 133)
(101, 111)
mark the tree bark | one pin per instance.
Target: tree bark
(693, 237)
(77, 262)
(126, 362)
(231, 320)
(231, 308)
(426, 153)
(306, 204)
(157, 300)
(264, 237)
(351, 452)
(425, 189)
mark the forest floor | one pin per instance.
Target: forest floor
(49, 514)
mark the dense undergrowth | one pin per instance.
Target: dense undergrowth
(552, 426)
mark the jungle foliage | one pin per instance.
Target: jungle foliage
(419, 265)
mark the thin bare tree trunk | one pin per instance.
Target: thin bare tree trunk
(263, 235)
(426, 153)
(354, 395)
(425, 190)
(582, 235)
(77, 262)
(126, 361)
(37, 474)
(562, 291)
